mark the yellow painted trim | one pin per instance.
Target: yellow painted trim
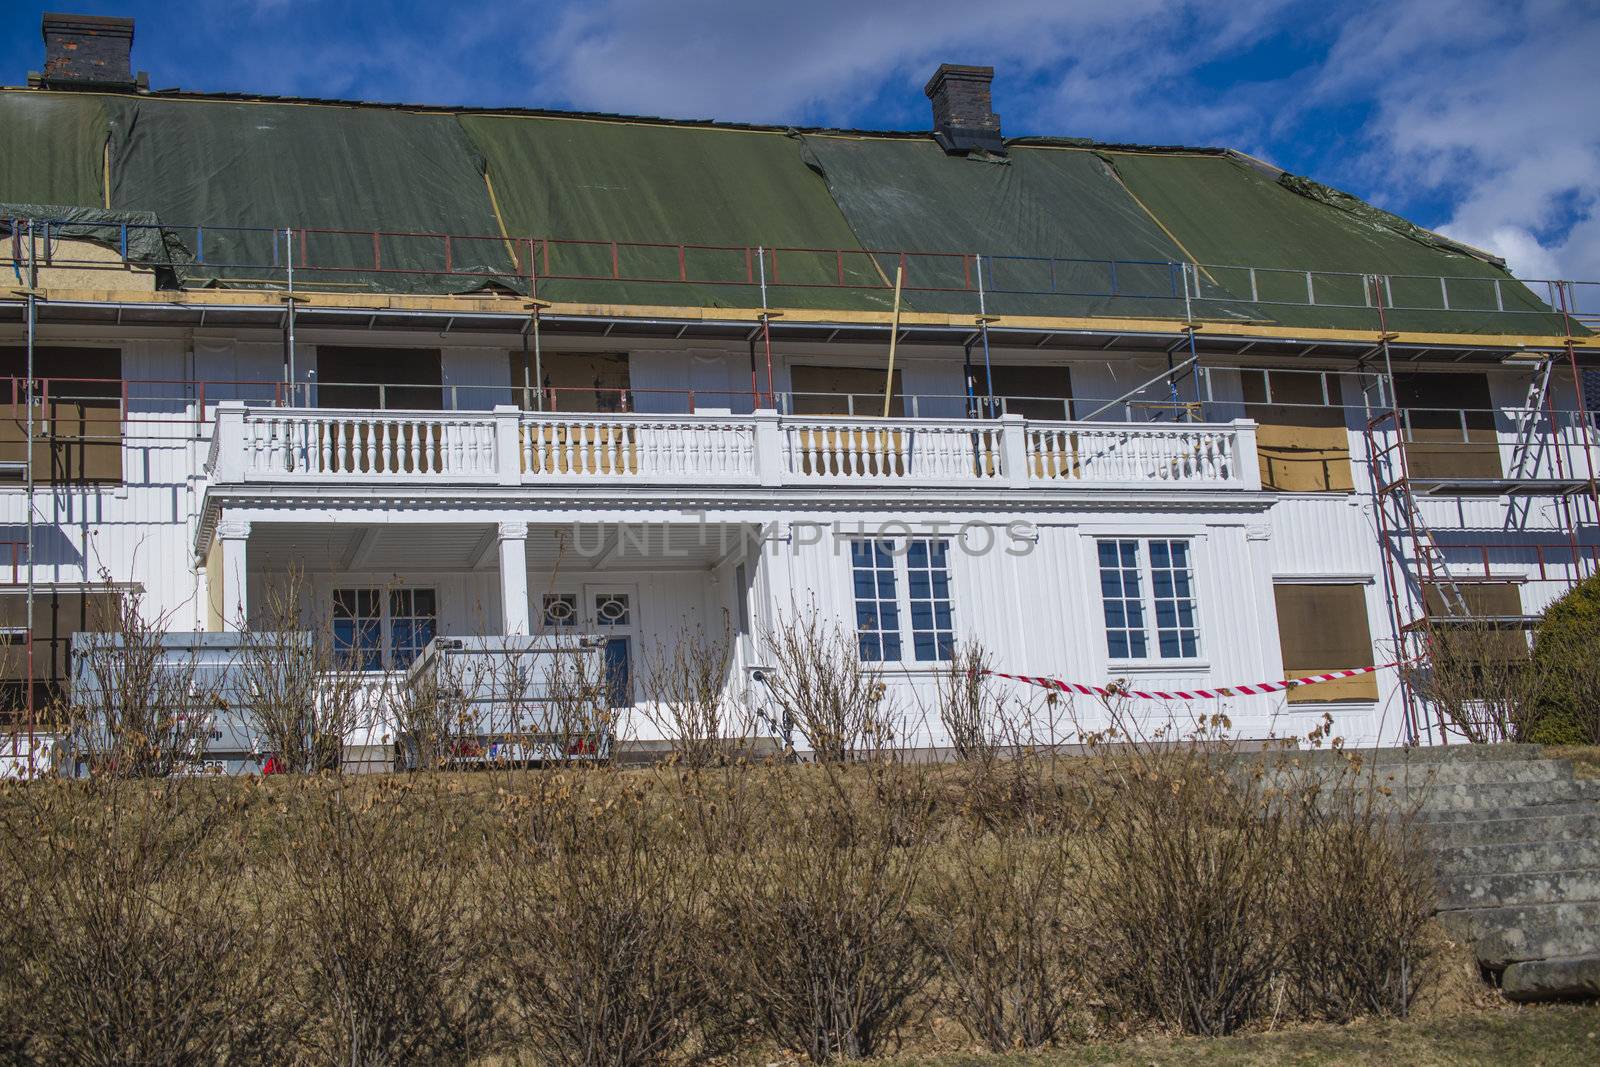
(467, 303)
(494, 206)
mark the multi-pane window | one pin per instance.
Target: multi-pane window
(1147, 593)
(1120, 595)
(413, 621)
(928, 585)
(358, 629)
(883, 601)
(360, 626)
(877, 608)
(1172, 591)
(560, 610)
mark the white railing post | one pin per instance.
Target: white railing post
(1014, 450)
(227, 451)
(1247, 470)
(768, 443)
(507, 447)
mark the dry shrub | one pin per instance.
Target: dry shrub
(969, 713)
(383, 927)
(812, 922)
(596, 910)
(573, 702)
(130, 941)
(1361, 891)
(826, 690)
(1478, 679)
(1188, 893)
(691, 702)
(433, 716)
(1008, 929)
(295, 689)
(137, 711)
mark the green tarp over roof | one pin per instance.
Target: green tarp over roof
(1226, 212)
(1051, 220)
(52, 149)
(1060, 235)
(257, 166)
(575, 180)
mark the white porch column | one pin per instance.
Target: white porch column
(514, 577)
(234, 596)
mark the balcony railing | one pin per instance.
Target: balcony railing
(509, 446)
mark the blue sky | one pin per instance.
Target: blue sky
(1475, 117)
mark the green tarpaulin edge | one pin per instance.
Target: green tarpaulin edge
(1230, 216)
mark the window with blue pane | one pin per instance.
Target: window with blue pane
(1172, 595)
(358, 629)
(877, 609)
(413, 622)
(1122, 599)
(928, 589)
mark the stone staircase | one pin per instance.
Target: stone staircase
(1515, 838)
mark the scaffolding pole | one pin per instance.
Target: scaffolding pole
(27, 460)
(983, 333)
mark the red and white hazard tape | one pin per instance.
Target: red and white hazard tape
(1253, 689)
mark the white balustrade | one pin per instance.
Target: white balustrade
(513, 447)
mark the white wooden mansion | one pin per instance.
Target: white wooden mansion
(1172, 417)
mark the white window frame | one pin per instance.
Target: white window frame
(904, 631)
(1147, 600)
(385, 597)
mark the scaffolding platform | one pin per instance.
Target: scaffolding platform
(1498, 486)
(1485, 622)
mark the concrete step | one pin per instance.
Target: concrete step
(1520, 932)
(1538, 823)
(1460, 861)
(1462, 772)
(1565, 978)
(1419, 755)
(1511, 888)
(1429, 799)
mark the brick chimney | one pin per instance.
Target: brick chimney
(88, 52)
(963, 118)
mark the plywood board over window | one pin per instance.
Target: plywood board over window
(1302, 443)
(1323, 628)
(57, 616)
(839, 390)
(1450, 425)
(1499, 642)
(77, 413)
(402, 379)
(574, 381)
(577, 383)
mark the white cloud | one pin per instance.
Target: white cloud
(1492, 105)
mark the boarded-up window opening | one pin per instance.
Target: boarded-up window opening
(836, 390)
(575, 382)
(1032, 392)
(77, 413)
(1502, 642)
(1323, 628)
(56, 617)
(395, 379)
(1302, 443)
(1451, 426)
